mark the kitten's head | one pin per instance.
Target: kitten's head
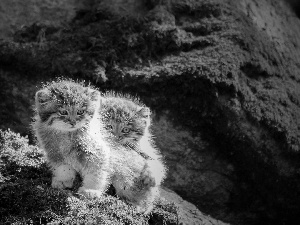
(66, 105)
(126, 120)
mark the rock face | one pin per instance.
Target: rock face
(188, 213)
(16, 13)
(221, 76)
(196, 171)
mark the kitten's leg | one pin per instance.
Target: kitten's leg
(94, 184)
(136, 192)
(148, 178)
(142, 197)
(144, 190)
(153, 173)
(63, 176)
(144, 202)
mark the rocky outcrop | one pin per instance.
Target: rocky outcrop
(221, 76)
(188, 213)
(15, 14)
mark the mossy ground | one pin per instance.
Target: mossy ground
(26, 195)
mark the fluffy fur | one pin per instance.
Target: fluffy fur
(67, 127)
(133, 180)
(128, 120)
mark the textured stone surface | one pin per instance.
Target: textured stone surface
(17, 13)
(188, 213)
(195, 170)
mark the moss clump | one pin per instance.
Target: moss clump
(26, 195)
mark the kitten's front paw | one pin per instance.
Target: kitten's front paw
(148, 179)
(63, 176)
(89, 193)
(62, 184)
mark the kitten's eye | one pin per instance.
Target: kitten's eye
(125, 130)
(109, 127)
(80, 112)
(63, 112)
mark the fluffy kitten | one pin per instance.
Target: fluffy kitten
(128, 120)
(67, 127)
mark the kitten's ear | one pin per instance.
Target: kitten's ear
(42, 96)
(143, 112)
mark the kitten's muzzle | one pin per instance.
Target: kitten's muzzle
(119, 138)
(73, 122)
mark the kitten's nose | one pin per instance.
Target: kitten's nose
(72, 122)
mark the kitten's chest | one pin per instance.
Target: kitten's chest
(72, 151)
(63, 143)
(58, 141)
(76, 144)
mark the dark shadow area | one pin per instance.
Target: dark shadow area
(295, 5)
